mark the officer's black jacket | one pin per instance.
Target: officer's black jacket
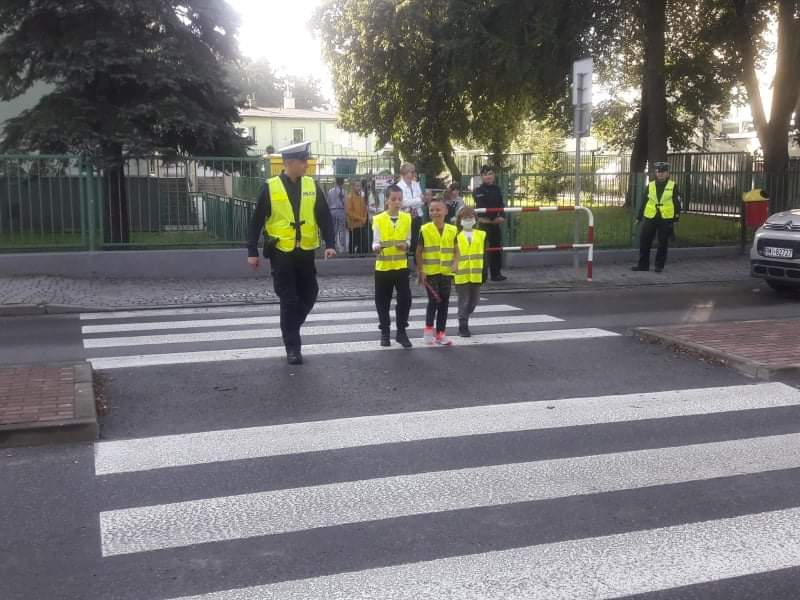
(264, 210)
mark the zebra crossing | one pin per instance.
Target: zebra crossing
(174, 336)
(588, 546)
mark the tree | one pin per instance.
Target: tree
(130, 78)
(747, 22)
(262, 86)
(423, 74)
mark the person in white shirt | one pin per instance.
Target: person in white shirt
(412, 201)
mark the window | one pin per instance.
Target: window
(730, 127)
(252, 133)
(298, 135)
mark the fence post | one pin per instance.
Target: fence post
(91, 207)
(229, 230)
(638, 199)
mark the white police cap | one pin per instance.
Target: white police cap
(299, 151)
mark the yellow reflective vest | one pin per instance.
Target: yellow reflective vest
(281, 224)
(666, 205)
(438, 249)
(470, 257)
(392, 258)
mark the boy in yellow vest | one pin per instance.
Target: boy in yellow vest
(435, 255)
(391, 240)
(468, 266)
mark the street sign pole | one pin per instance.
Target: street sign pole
(582, 100)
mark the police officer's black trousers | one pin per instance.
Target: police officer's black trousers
(294, 277)
(493, 261)
(648, 231)
(386, 282)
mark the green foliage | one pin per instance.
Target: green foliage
(258, 81)
(547, 145)
(701, 77)
(133, 77)
(423, 73)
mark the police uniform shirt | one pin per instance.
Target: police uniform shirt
(264, 210)
(489, 196)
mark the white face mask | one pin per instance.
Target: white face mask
(468, 224)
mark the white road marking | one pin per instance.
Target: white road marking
(599, 568)
(148, 528)
(314, 316)
(160, 452)
(210, 310)
(256, 334)
(149, 360)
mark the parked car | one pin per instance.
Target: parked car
(775, 255)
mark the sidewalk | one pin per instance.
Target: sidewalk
(762, 349)
(49, 294)
(46, 403)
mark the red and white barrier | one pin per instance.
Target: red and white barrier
(536, 248)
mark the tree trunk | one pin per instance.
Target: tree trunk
(116, 228)
(773, 134)
(450, 161)
(654, 22)
(638, 153)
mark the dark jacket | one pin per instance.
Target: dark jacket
(489, 196)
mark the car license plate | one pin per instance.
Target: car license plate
(778, 252)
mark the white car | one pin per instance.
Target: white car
(775, 255)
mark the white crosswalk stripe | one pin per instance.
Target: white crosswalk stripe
(259, 442)
(605, 566)
(152, 342)
(599, 568)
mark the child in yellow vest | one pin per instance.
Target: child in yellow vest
(435, 255)
(468, 266)
(392, 237)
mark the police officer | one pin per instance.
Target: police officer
(488, 195)
(290, 210)
(657, 215)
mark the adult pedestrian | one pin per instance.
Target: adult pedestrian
(657, 216)
(488, 195)
(453, 201)
(357, 216)
(290, 211)
(336, 204)
(412, 200)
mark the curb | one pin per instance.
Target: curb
(82, 428)
(745, 366)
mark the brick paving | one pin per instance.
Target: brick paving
(36, 394)
(774, 344)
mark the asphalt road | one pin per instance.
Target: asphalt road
(590, 467)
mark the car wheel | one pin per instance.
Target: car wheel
(781, 286)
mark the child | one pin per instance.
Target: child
(468, 267)
(435, 254)
(392, 237)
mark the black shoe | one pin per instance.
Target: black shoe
(293, 357)
(638, 268)
(499, 278)
(402, 339)
(463, 328)
(658, 269)
(385, 340)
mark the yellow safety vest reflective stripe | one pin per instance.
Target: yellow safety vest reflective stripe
(392, 258)
(470, 257)
(438, 249)
(666, 205)
(281, 223)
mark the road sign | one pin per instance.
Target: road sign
(582, 81)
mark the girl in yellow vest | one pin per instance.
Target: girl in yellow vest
(435, 255)
(468, 266)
